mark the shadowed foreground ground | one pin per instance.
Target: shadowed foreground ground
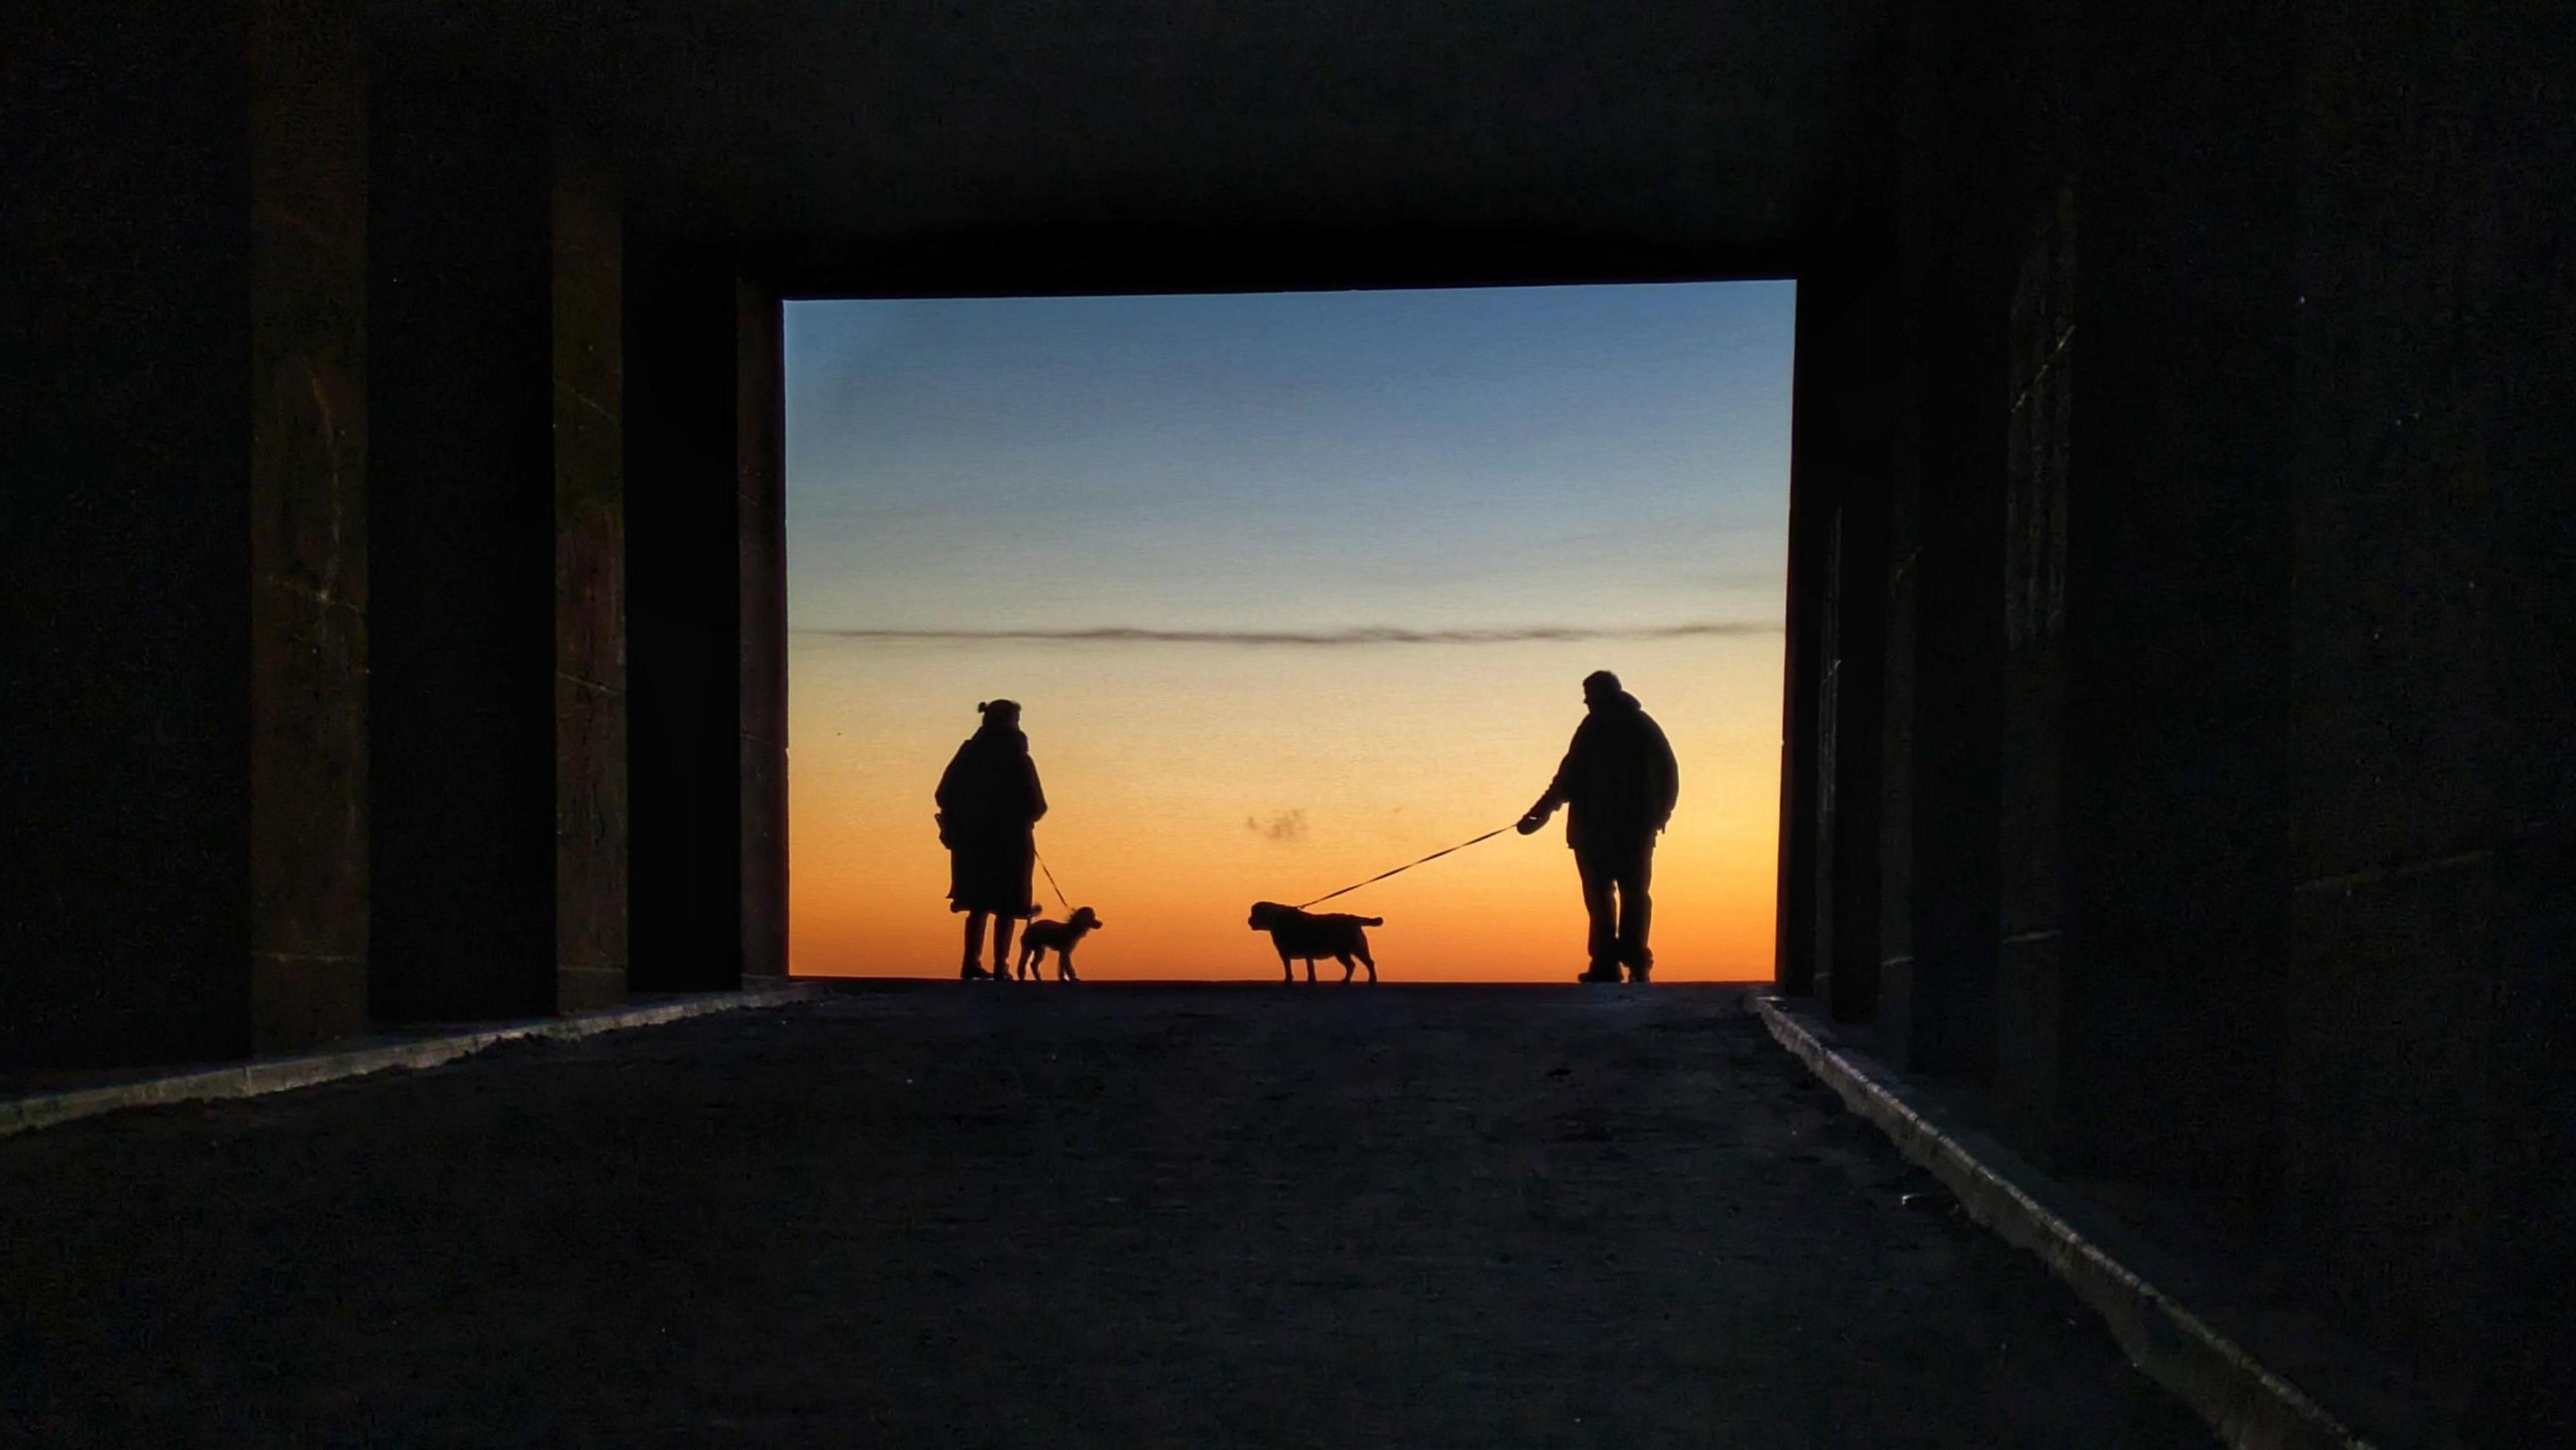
(1117, 1215)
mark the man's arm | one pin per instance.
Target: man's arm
(1536, 816)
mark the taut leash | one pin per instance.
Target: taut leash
(1407, 866)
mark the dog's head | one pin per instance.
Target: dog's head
(1083, 920)
(1267, 914)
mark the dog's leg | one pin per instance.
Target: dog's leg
(1310, 969)
(1064, 965)
(1287, 973)
(1345, 959)
(1365, 957)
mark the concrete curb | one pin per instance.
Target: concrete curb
(2251, 1407)
(280, 1074)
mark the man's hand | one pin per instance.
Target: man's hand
(1536, 818)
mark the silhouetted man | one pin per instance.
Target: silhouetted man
(1619, 782)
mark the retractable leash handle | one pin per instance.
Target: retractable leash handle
(1407, 866)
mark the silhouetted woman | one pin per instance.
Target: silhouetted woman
(988, 802)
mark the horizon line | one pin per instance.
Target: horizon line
(1271, 638)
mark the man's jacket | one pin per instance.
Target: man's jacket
(1618, 780)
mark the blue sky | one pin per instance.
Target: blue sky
(1560, 456)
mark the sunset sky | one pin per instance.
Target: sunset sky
(1293, 588)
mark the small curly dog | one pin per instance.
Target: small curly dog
(1064, 936)
(1310, 935)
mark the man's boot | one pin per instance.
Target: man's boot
(969, 972)
(1601, 972)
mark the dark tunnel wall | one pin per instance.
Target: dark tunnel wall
(501, 821)
(2177, 579)
(185, 476)
(2426, 1083)
(126, 419)
(705, 550)
(462, 422)
(686, 639)
(2191, 412)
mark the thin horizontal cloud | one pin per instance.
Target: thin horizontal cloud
(1357, 635)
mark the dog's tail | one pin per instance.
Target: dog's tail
(1370, 920)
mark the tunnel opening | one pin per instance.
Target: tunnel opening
(1294, 587)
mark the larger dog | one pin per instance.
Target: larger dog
(1309, 935)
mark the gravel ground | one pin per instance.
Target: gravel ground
(937, 1214)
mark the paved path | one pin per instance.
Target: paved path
(1107, 1215)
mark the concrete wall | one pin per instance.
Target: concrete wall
(1955, 208)
(591, 855)
(316, 635)
(464, 576)
(501, 737)
(706, 549)
(2177, 578)
(2222, 791)
(309, 516)
(186, 643)
(2426, 1092)
(760, 689)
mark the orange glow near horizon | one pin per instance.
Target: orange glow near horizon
(1184, 786)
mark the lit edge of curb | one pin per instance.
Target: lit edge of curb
(259, 1076)
(2249, 1406)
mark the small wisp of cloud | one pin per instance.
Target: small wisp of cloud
(1289, 826)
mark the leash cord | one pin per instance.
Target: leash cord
(1407, 866)
(1050, 876)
